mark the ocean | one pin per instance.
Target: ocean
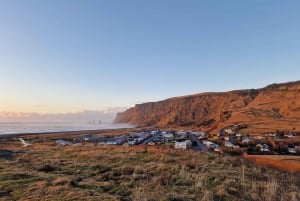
(44, 127)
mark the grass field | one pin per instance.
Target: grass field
(45, 171)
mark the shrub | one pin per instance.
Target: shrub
(47, 168)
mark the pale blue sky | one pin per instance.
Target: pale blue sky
(68, 56)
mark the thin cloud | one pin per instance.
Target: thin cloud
(84, 116)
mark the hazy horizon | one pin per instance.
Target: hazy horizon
(105, 116)
(71, 56)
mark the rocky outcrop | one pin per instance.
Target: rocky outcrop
(274, 107)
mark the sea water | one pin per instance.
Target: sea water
(45, 127)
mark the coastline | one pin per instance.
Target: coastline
(109, 132)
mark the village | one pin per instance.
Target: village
(229, 141)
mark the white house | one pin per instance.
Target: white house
(132, 142)
(214, 147)
(228, 144)
(290, 135)
(217, 149)
(292, 150)
(168, 135)
(183, 145)
(246, 140)
(182, 133)
(154, 132)
(264, 147)
(200, 135)
(112, 143)
(228, 131)
(88, 137)
(207, 143)
(63, 142)
(226, 138)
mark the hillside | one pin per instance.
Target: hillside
(275, 107)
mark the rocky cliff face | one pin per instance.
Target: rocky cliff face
(275, 107)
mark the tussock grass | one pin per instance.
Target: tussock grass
(138, 173)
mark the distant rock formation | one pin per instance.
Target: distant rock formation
(275, 107)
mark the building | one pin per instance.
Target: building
(228, 144)
(246, 140)
(207, 143)
(168, 135)
(182, 134)
(183, 145)
(91, 138)
(228, 131)
(63, 142)
(154, 132)
(292, 150)
(264, 147)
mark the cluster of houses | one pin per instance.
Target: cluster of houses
(228, 139)
(182, 139)
(234, 130)
(259, 143)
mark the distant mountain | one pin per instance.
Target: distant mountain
(275, 107)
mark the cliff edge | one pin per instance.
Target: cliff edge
(275, 107)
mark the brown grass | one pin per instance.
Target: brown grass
(286, 163)
(45, 171)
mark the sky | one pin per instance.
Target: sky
(62, 56)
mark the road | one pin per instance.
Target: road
(147, 140)
(199, 143)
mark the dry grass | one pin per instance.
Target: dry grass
(49, 172)
(286, 163)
